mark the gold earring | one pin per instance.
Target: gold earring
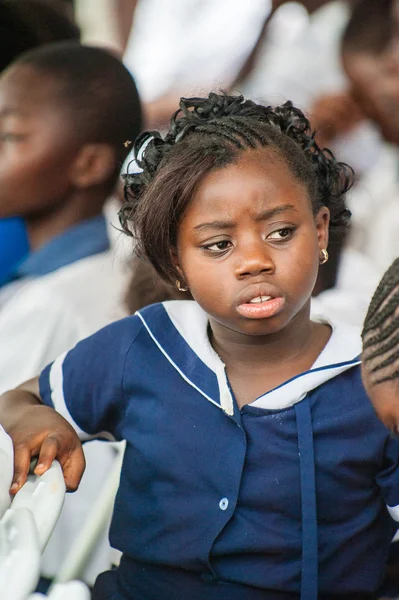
(324, 255)
(180, 287)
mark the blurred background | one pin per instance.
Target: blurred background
(338, 60)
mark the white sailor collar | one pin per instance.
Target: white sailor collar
(181, 335)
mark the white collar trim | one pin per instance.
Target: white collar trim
(340, 354)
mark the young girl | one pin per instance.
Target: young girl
(255, 467)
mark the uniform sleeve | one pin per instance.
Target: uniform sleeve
(85, 385)
(388, 479)
(33, 334)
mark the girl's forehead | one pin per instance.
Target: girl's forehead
(255, 180)
(264, 169)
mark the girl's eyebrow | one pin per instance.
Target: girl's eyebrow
(263, 216)
(277, 210)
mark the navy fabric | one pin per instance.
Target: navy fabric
(14, 247)
(310, 560)
(81, 241)
(218, 498)
(138, 581)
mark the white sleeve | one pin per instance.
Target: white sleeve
(34, 330)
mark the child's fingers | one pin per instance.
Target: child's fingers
(73, 466)
(22, 458)
(48, 452)
(52, 448)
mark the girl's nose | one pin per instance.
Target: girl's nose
(253, 260)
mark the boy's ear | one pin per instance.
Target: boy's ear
(94, 165)
(322, 223)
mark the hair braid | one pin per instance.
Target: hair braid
(223, 130)
(381, 329)
(381, 333)
(387, 346)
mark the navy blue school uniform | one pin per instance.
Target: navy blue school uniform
(285, 498)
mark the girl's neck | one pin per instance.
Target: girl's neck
(256, 365)
(296, 340)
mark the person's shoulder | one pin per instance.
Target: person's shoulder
(339, 362)
(185, 308)
(86, 274)
(343, 347)
(90, 291)
(181, 318)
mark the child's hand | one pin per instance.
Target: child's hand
(40, 431)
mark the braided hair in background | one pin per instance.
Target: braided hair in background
(210, 133)
(381, 329)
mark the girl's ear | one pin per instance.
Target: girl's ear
(176, 263)
(322, 222)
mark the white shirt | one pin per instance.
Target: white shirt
(193, 45)
(47, 315)
(40, 318)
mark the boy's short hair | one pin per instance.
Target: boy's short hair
(370, 27)
(26, 24)
(96, 88)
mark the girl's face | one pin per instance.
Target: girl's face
(249, 245)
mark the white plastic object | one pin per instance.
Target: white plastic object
(73, 590)
(6, 470)
(84, 544)
(44, 496)
(19, 554)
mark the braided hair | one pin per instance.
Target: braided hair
(210, 133)
(381, 330)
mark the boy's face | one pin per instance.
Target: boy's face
(37, 144)
(375, 85)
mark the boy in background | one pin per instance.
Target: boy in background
(67, 116)
(26, 24)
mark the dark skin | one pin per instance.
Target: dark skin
(260, 224)
(384, 397)
(37, 430)
(249, 231)
(375, 87)
(54, 180)
(49, 175)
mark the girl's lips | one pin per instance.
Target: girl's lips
(261, 310)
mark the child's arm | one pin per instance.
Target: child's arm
(38, 430)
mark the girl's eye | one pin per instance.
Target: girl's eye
(281, 234)
(218, 246)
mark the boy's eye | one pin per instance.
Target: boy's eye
(281, 234)
(10, 137)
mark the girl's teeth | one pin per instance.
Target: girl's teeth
(259, 299)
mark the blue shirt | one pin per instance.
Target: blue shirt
(287, 495)
(86, 239)
(14, 247)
